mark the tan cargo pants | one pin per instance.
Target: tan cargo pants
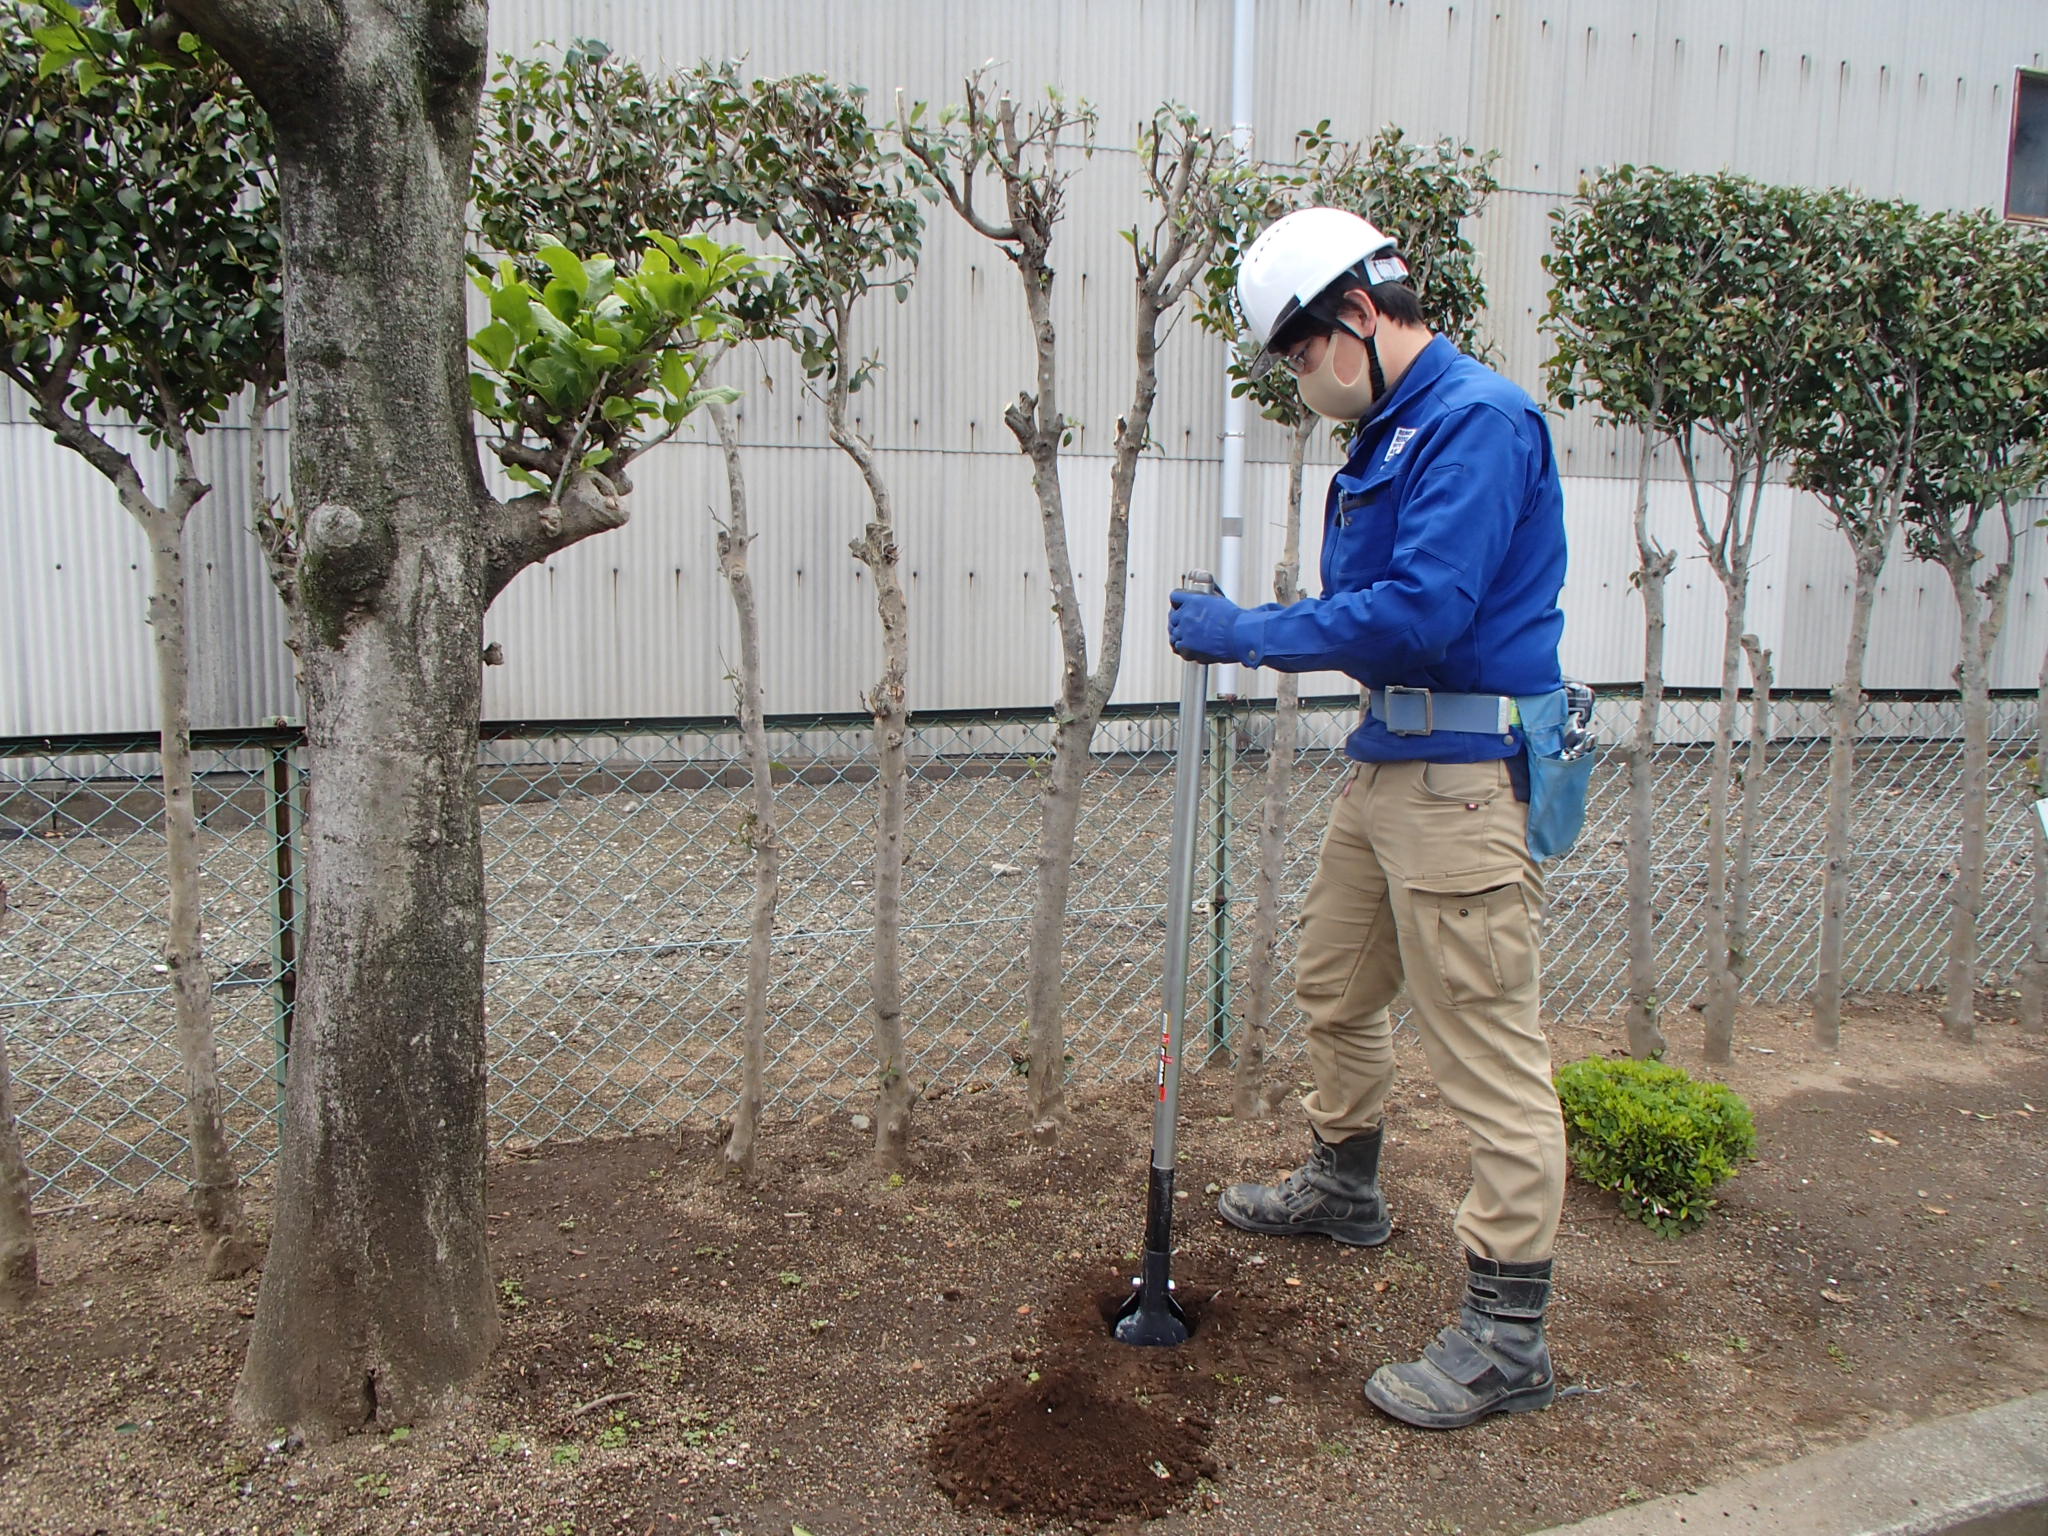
(1425, 877)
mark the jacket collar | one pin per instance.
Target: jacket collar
(1430, 364)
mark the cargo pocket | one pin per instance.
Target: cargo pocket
(1479, 932)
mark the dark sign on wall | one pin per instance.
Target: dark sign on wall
(2026, 169)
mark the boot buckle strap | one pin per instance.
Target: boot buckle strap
(1458, 1357)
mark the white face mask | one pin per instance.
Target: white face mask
(1328, 393)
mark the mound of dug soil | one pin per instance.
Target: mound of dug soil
(1059, 1448)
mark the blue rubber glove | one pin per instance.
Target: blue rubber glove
(1203, 626)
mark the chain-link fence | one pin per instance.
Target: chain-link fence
(619, 878)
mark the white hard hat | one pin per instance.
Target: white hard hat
(1296, 257)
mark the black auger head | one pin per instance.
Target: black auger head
(1156, 1323)
(1152, 1318)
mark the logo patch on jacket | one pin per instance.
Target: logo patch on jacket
(1401, 436)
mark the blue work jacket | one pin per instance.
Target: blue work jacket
(1443, 557)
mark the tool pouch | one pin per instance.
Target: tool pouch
(1558, 741)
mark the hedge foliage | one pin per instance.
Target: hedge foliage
(1654, 1136)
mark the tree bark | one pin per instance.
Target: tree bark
(215, 1187)
(1829, 982)
(376, 1305)
(1981, 612)
(1728, 552)
(1755, 793)
(1178, 180)
(18, 1272)
(1035, 421)
(1059, 818)
(735, 541)
(888, 703)
(1653, 566)
(1721, 983)
(1248, 1097)
(2034, 969)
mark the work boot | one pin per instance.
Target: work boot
(1335, 1193)
(1493, 1361)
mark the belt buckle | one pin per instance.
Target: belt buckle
(1428, 727)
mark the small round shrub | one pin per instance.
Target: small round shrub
(1654, 1136)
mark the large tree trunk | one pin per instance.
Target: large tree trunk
(2034, 969)
(888, 703)
(1653, 565)
(18, 1277)
(735, 541)
(1845, 708)
(1248, 1100)
(376, 1306)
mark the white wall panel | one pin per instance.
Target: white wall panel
(1895, 97)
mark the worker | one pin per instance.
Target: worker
(1443, 556)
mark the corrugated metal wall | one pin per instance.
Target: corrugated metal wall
(1892, 96)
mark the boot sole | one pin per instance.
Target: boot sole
(1351, 1234)
(1528, 1400)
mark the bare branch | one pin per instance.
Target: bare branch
(528, 530)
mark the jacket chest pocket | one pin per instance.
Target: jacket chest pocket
(1361, 538)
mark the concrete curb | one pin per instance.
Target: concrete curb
(1983, 1473)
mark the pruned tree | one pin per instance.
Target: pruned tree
(1629, 313)
(139, 282)
(1761, 296)
(18, 1268)
(591, 144)
(1027, 154)
(1982, 448)
(844, 206)
(1422, 197)
(377, 1304)
(1884, 328)
(762, 824)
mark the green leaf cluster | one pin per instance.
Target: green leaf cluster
(588, 150)
(1984, 438)
(140, 263)
(1896, 360)
(1655, 1136)
(844, 204)
(579, 369)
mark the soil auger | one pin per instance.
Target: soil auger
(1151, 1316)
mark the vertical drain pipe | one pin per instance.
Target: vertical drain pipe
(1236, 409)
(1230, 577)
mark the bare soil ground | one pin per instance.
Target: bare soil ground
(830, 1352)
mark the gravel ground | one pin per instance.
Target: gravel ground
(618, 896)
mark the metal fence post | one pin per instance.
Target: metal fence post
(1222, 762)
(284, 927)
